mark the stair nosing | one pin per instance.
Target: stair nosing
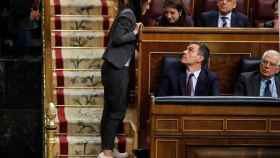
(71, 47)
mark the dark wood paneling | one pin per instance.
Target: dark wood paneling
(232, 152)
(166, 148)
(257, 125)
(167, 125)
(202, 124)
(226, 65)
(275, 125)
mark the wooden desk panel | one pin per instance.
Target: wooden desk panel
(220, 131)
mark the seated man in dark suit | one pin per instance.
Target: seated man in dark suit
(226, 16)
(189, 76)
(264, 82)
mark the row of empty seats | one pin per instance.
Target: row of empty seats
(258, 11)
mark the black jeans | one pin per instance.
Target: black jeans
(115, 82)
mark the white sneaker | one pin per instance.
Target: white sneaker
(117, 154)
(101, 155)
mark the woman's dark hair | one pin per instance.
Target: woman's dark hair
(136, 6)
(178, 5)
(173, 4)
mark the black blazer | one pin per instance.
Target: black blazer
(249, 83)
(173, 81)
(122, 40)
(210, 19)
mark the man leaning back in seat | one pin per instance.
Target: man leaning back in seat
(189, 76)
(264, 82)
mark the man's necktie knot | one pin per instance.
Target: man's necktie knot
(189, 87)
(267, 92)
(224, 20)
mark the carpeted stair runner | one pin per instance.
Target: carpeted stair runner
(78, 78)
(82, 145)
(78, 37)
(81, 22)
(77, 58)
(84, 7)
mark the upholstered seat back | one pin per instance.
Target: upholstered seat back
(263, 12)
(249, 64)
(167, 61)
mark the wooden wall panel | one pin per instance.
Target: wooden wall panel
(166, 148)
(246, 124)
(232, 152)
(226, 66)
(167, 124)
(200, 124)
(275, 125)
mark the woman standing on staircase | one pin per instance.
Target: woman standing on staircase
(115, 74)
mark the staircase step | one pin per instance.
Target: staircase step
(77, 78)
(78, 96)
(80, 22)
(83, 7)
(80, 38)
(85, 121)
(86, 145)
(77, 121)
(77, 58)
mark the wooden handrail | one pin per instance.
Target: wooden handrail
(47, 54)
(50, 128)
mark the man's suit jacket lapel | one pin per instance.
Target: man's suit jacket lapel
(277, 83)
(182, 82)
(233, 21)
(214, 22)
(200, 84)
(255, 85)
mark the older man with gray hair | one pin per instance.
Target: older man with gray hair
(264, 82)
(226, 16)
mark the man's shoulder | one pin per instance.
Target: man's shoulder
(211, 13)
(277, 76)
(210, 74)
(240, 15)
(249, 75)
(126, 12)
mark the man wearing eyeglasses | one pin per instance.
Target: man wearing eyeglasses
(265, 82)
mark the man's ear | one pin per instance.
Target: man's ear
(235, 5)
(201, 58)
